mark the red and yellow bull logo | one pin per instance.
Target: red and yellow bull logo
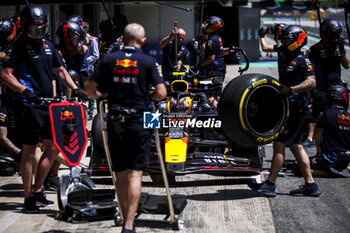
(126, 63)
(343, 117)
(67, 115)
(310, 68)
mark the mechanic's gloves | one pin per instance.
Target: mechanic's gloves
(284, 91)
(80, 94)
(262, 32)
(337, 48)
(31, 96)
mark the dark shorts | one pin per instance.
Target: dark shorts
(293, 134)
(319, 105)
(217, 86)
(32, 124)
(129, 149)
(332, 169)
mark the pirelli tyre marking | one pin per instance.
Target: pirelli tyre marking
(254, 85)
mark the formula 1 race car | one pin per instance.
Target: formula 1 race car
(198, 139)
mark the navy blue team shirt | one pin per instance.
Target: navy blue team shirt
(169, 57)
(33, 65)
(126, 76)
(325, 64)
(293, 73)
(214, 46)
(336, 135)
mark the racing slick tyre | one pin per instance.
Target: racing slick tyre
(97, 140)
(251, 111)
(98, 155)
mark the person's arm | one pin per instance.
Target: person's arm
(11, 81)
(308, 84)
(345, 61)
(82, 49)
(179, 65)
(166, 39)
(208, 60)
(265, 47)
(318, 138)
(54, 88)
(94, 56)
(90, 89)
(159, 92)
(6, 143)
(226, 51)
(63, 74)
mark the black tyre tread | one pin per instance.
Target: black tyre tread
(249, 90)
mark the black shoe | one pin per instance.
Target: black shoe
(129, 231)
(51, 183)
(308, 143)
(41, 199)
(306, 190)
(254, 186)
(30, 205)
(6, 169)
(264, 188)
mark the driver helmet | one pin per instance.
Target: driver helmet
(213, 25)
(185, 104)
(71, 34)
(293, 37)
(76, 19)
(330, 30)
(34, 21)
(7, 31)
(338, 93)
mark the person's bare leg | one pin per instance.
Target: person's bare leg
(26, 167)
(318, 139)
(129, 185)
(277, 161)
(213, 101)
(311, 129)
(45, 163)
(60, 159)
(36, 160)
(303, 162)
(54, 168)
